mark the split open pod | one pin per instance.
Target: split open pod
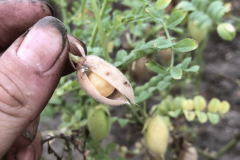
(101, 80)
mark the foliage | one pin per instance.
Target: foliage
(124, 36)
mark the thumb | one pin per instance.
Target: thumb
(30, 70)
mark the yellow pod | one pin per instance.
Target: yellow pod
(156, 135)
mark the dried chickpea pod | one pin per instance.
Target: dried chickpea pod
(189, 152)
(122, 88)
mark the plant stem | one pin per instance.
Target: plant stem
(222, 151)
(204, 153)
(99, 27)
(102, 12)
(234, 17)
(74, 58)
(199, 59)
(66, 92)
(145, 110)
(135, 115)
(64, 14)
(169, 38)
(226, 148)
(83, 6)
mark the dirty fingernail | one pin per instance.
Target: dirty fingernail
(43, 44)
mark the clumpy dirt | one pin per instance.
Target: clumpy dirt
(221, 70)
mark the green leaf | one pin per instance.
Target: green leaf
(145, 2)
(152, 89)
(204, 4)
(167, 78)
(162, 4)
(176, 73)
(110, 147)
(120, 55)
(162, 85)
(137, 99)
(154, 13)
(153, 81)
(83, 123)
(226, 31)
(145, 95)
(224, 107)
(176, 18)
(199, 103)
(213, 118)
(123, 122)
(178, 30)
(213, 105)
(186, 6)
(189, 115)
(202, 117)
(55, 101)
(155, 67)
(175, 113)
(192, 69)
(162, 43)
(78, 115)
(139, 89)
(49, 111)
(185, 45)
(184, 64)
(113, 119)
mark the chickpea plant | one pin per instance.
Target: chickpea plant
(112, 42)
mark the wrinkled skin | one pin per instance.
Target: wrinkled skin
(31, 65)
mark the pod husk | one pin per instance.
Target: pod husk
(123, 90)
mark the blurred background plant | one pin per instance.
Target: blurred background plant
(159, 46)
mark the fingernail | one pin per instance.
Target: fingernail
(50, 8)
(27, 135)
(43, 44)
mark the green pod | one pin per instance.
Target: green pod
(226, 31)
(199, 103)
(195, 32)
(98, 122)
(213, 105)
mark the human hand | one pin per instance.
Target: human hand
(31, 65)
